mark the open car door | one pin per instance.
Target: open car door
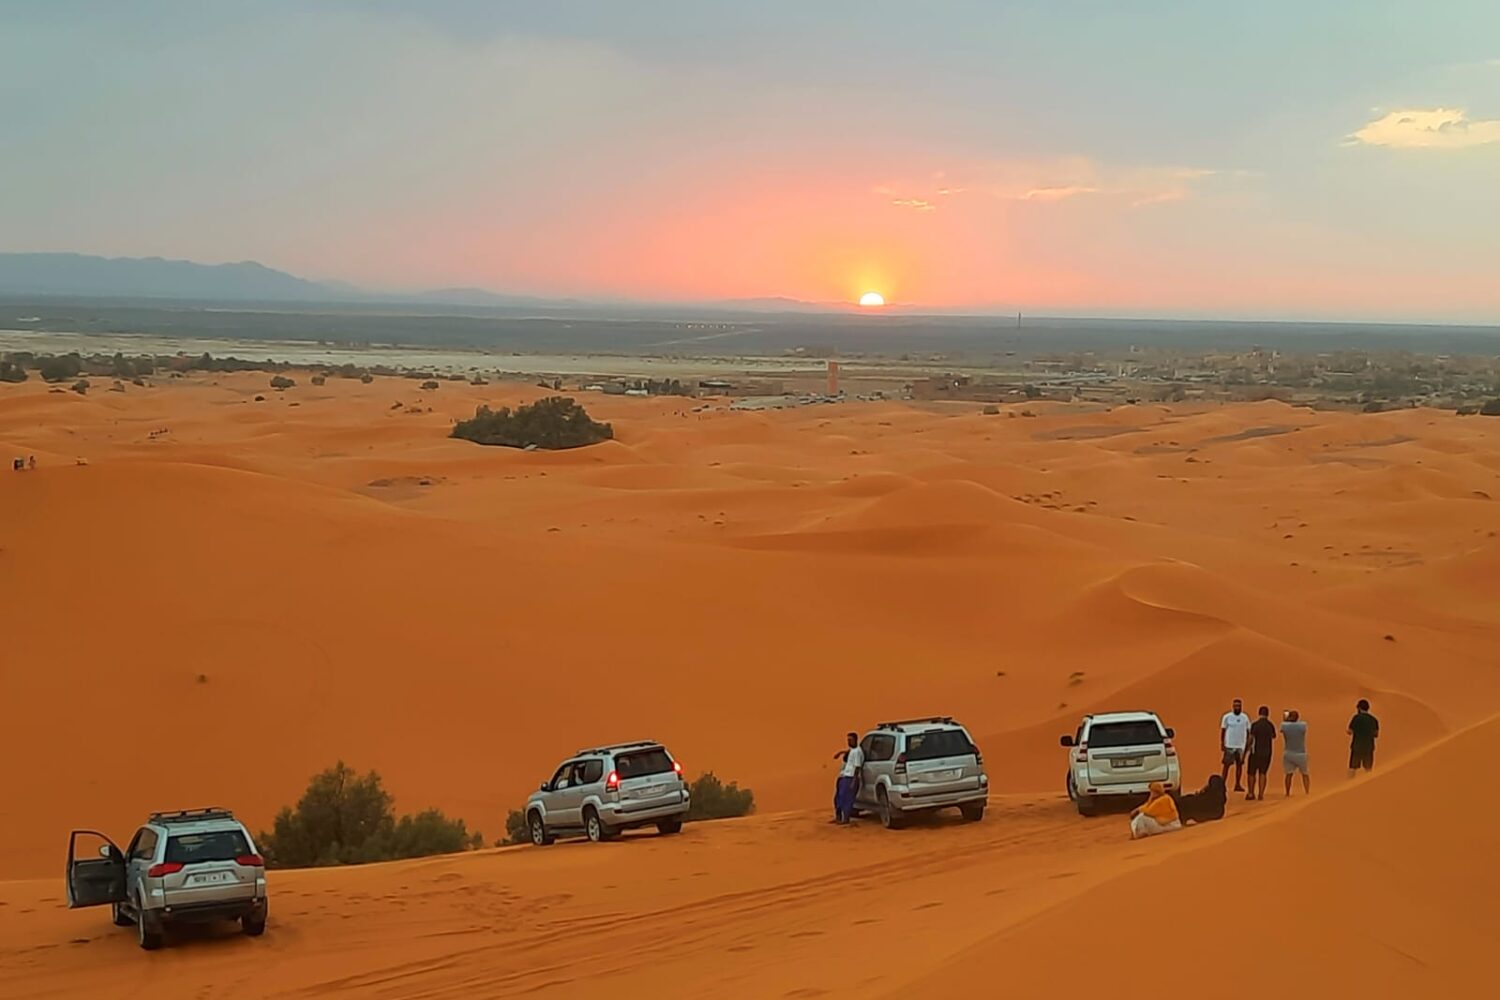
(98, 876)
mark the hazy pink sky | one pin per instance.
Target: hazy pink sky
(1062, 156)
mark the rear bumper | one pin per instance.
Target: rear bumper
(1135, 788)
(904, 800)
(230, 909)
(618, 817)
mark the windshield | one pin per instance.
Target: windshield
(220, 845)
(938, 743)
(1124, 734)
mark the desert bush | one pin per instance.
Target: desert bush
(367, 378)
(281, 382)
(1491, 408)
(992, 411)
(344, 818)
(12, 372)
(430, 384)
(60, 369)
(552, 423)
(515, 829)
(81, 386)
(712, 799)
(318, 380)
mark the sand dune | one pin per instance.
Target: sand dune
(287, 585)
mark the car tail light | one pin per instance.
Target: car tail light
(978, 757)
(901, 763)
(165, 868)
(1083, 752)
(677, 767)
(250, 861)
(612, 783)
(1171, 750)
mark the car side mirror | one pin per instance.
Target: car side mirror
(1066, 741)
(106, 852)
(544, 786)
(1171, 732)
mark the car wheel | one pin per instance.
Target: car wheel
(972, 813)
(889, 817)
(148, 930)
(254, 924)
(1072, 788)
(669, 826)
(120, 917)
(594, 826)
(1087, 806)
(539, 835)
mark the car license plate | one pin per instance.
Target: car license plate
(652, 792)
(210, 878)
(947, 775)
(1127, 762)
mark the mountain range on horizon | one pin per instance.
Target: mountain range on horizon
(79, 275)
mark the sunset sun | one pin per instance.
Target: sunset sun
(872, 299)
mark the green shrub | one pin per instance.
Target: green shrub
(281, 382)
(60, 369)
(430, 384)
(712, 799)
(516, 831)
(551, 423)
(346, 819)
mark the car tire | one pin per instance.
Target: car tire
(254, 924)
(539, 835)
(1072, 788)
(148, 930)
(1087, 806)
(890, 818)
(119, 916)
(972, 813)
(598, 832)
(667, 827)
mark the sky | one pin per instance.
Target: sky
(1288, 158)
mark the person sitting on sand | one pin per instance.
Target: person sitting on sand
(1158, 815)
(1206, 804)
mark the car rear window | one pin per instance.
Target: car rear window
(938, 743)
(1123, 734)
(643, 762)
(221, 845)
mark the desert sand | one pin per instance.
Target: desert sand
(232, 594)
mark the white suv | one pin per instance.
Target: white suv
(1119, 754)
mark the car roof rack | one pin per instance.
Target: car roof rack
(606, 748)
(938, 719)
(191, 815)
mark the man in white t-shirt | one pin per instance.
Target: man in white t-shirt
(848, 783)
(1234, 733)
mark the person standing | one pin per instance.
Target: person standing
(1364, 729)
(1234, 733)
(1262, 736)
(848, 783)
(1294, 750)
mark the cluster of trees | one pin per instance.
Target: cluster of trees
(1491, 408)
(11, 371)
(123, 367)
(61, 368)
(347, 819)
(712, 799)
(551, 423)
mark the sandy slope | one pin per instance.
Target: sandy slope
(217, 611)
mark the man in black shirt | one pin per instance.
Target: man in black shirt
(1262, 735)
(1363, 729)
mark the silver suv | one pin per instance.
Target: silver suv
(917, 765)
(605, 790)
(1116, 756)
(192, 865)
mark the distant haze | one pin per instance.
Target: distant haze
(1277, 160)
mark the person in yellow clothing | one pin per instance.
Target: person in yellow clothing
(1158, 815)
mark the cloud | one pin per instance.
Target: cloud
(1059, 193)
(919, 204)
(1427, 128)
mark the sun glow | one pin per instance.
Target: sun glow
(872, 299)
